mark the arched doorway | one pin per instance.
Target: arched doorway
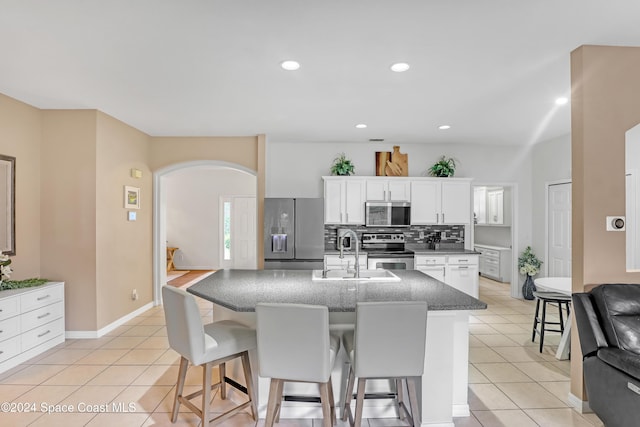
(160, 212)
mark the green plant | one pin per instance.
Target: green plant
(443, 168)
(5, 270)
(528, 262)
(342, 166)
(19, 284)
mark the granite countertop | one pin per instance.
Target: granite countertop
(346, 252)
(423, 249)
(241, 290)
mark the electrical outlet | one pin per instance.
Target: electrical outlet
(134, 295)
(421, 234)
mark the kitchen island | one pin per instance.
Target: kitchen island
(443, 389)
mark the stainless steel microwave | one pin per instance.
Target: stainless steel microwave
(387, 214)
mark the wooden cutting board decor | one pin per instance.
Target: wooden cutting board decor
(398, 165)
(382, 157)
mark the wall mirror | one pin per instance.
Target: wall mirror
(632, 191)
(7, 205)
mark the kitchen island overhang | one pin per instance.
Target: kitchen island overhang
(443, 389)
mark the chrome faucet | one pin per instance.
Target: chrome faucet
(357, 245)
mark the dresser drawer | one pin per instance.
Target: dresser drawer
(9, 348)
(463, 260)
(42, 334)
(9, 328)
(40, 316)
(9, 307)
(41, 297)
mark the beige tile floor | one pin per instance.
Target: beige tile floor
(511, 384)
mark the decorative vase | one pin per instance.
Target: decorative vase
(528, 287)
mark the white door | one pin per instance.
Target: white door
(243, 232)
(633, 216)
(559, 228)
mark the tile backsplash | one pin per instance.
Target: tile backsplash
(448, 233)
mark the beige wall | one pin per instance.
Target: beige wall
(68, 211)
(604, 105)
(123, 248)
(20, 136)
(249, 152)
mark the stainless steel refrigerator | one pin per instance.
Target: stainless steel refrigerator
(293, 233)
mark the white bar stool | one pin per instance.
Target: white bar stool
(294, 344)
(388, 342)
(210, 345)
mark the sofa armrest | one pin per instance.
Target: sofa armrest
(625, 361)
(591, 335)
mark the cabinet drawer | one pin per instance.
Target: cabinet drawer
(9, 328)
(491, 253)
(490, 262)
(9, 348)
(463, 260)
(42, 334)
(41, 316)
(428, 260)
(41, 297)
(9, 307)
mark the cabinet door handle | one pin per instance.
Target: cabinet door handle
(443, 217)
(44, 333)
(347, 216)
(384, 194)
(437, 218)
(43, 315)
(44, 297)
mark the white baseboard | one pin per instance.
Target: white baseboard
(578, 404)
(460, 410)
(110, 327)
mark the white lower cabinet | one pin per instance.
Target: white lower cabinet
(457, 271)
(31, 322)
(334, 262)
(495, 262)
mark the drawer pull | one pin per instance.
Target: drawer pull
(463, 260)
(44, 315)
(463, 267)
(44, 333)
(44, 297)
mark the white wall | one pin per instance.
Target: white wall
(193, 210)
(551, 163)
(295, 169)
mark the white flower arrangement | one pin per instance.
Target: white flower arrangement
(528, 263)
(5, 270)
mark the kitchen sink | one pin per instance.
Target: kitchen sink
(368, 275)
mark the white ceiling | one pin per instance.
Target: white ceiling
(489, 68)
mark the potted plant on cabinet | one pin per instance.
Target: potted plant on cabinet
(528, 265)
(342, 166)
(443, 168)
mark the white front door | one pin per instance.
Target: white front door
(243, 232)
(559, 228)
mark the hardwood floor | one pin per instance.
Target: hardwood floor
(189, 277)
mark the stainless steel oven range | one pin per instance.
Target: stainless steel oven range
(387, 251)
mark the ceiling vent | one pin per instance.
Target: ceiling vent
(376, 139)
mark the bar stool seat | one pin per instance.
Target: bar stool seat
(208, 345)
(388, 342)
(549, 298)
(294, 344)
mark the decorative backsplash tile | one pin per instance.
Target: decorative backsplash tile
(448, 234)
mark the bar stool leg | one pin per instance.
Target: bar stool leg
(400, 398)
(346, 410)
(206, 394)
(272, 404)
(413, 399)
(248, 379)
(542, 324)
(359, 402)
(326, 405)
(535, 320)
(182, 373)
(223, 374)
(561, 317)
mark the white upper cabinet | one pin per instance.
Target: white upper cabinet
(489, 205)
(495, 206)
(344, 200)
(394, 190)
(441, 201)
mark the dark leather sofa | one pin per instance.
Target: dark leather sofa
(608, 322)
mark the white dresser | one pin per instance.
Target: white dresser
(495, 262)
(31, 322)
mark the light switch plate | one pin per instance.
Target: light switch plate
(131, 216)
(616, 223)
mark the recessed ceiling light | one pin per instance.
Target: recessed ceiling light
(400, 67)
(444, 127)
(290, 65)
(361, 126)
(562, 100)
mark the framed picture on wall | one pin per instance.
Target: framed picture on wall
(131, 197)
